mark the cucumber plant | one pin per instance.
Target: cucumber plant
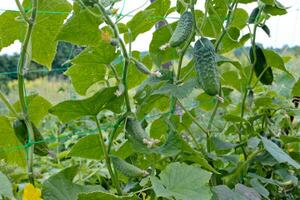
(219, 121)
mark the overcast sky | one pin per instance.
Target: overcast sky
(284, 29)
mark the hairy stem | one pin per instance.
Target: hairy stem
(125, 54)
(107, 158)
(21, 86)
(253, 39)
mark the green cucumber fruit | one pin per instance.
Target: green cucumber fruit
(127, 169)
(136, 133)
(141, 67)
(135, 130)
(253, 15)
(260, 66)
(206, 66)
(183, 29)
(21, 132)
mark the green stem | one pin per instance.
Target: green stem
(114, 131)
(207, 132)
(182, 53)
(107, 158)
(22, 11)
(229, 19)
(258, 78)
(8, 105)
(193, 118)
(212, 117)
(192, 136)
(114, 71)
(253, 38)
(21, 86)
(123, 50)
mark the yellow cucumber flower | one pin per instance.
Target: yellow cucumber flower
(31, 193)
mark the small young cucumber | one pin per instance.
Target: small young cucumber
(141, 67)
(136, 133)
(261, 68)
(127, 169)
(206, 66)
(21, 132)
(183, 29)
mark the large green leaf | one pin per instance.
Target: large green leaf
(212, 26)
(241, 192)
(274, 60)
(74, 109)
(82, 28)
(278, 153)
(178, 91)
(240, 18)
(181, 181)
(88, 147)
(222, 192)
(44, 33)
(37, 108)
(158, 128)
(10, 29)
(160, 37)
(6, 188)
(104, 196)
(9, 144)
(89, 66)
(232, 79)
(85, 75)
(247, 192)
(60, 186)
(46, 29)
(144, 20)
(104, 53)
(276, 9)
(195, 156)
(230, 40)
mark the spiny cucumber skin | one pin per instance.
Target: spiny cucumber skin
(260, 65)
(126, 168)
(206, 66)
(183, 29)
(135, 130)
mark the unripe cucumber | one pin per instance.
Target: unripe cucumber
(183, 29)
(135, 130)
(136, 133)
(260, 66)
(141, 67)
(253, 15)
(127, 169)
(206, 66)
(21, 132)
